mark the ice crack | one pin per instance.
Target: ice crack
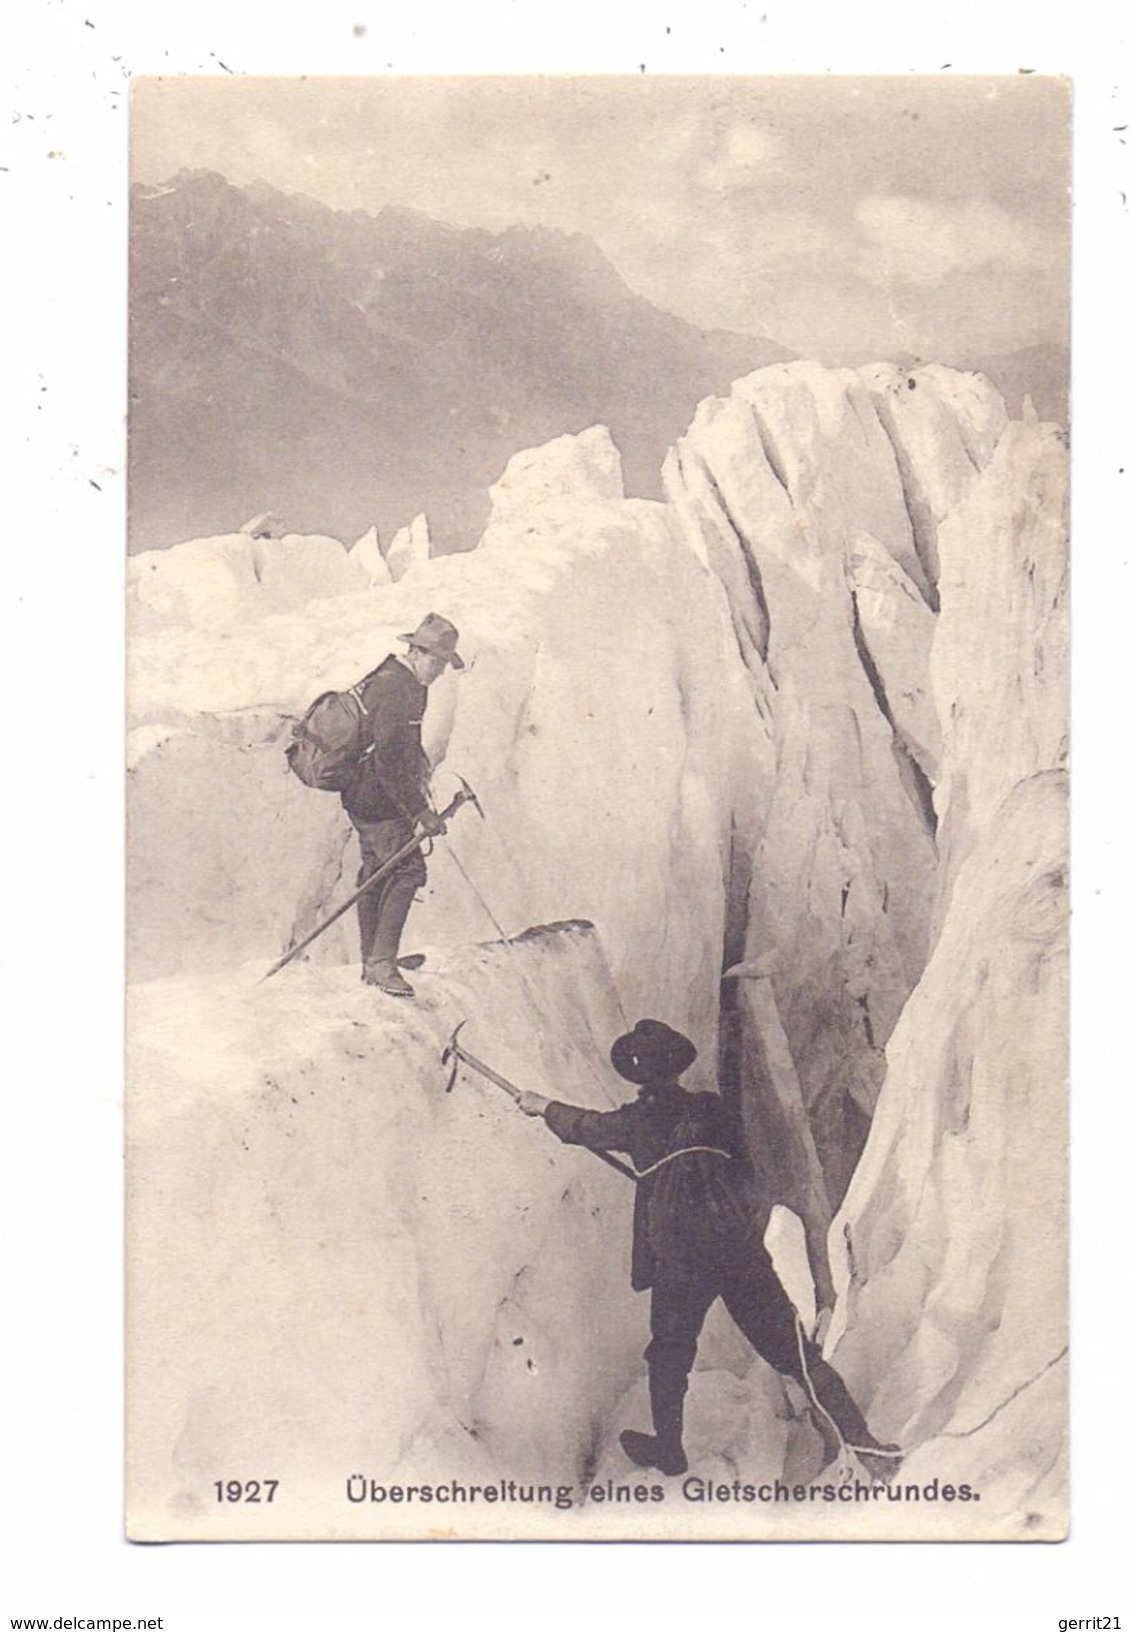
(967, 1433)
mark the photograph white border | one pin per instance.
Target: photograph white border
(65, 185)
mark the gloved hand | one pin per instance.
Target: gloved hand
(531, 1103)
(428, 822)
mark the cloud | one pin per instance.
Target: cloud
(916, 240)
(826, 213)
(739, 155)
(776, 238)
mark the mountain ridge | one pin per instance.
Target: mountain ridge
(347, 369)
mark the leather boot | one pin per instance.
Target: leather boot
(883, 1462)
(650, 1451)
(664, 1448)
(390, 911)
(384, 974)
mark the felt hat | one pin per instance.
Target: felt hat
(651, 1050)
(436, 635)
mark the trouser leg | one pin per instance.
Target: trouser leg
(679, 1308)
(382, 911)
(761, 1310)
(368, 911)
(396, 899)
(832, 1392)
(679, 1305)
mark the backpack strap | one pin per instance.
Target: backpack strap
(357, 692)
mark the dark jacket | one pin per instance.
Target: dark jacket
(693, 1210)
(392, 781)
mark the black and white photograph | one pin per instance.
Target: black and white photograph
(563, 1033)
(597, 808)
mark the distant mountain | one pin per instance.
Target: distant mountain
(343, 369)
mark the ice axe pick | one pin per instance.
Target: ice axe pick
(458, 1055)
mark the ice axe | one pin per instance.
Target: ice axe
(465, 796)
(458, 1055)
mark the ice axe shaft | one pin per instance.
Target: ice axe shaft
(456, 1052)
(465, 796)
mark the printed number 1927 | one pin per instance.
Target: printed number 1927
(251, 1490)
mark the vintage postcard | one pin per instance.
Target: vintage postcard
(597, 808)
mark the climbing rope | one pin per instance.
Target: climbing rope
(686, 1150)
(810, 1389)
(507, 942)
(517, 872)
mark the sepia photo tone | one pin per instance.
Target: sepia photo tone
(597, 924)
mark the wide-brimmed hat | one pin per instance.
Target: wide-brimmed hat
(436, 635)
(652, 1050)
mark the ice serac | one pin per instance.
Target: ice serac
(606, 728)
(943, 427)
(894, 630)
(265, 525)
(339, 1269)
(227, 854)
(950, 1238)
(409, 548)
(999, 663)
(565, 471)
(368, 555)
(790, 491)
(214, 583)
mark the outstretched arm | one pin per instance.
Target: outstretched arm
(598, 1131)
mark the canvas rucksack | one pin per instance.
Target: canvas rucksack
(329, 741)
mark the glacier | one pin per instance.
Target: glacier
(804, 718)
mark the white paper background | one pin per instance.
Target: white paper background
(62, 189)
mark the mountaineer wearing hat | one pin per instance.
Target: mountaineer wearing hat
(387, 801)
(697, 1236)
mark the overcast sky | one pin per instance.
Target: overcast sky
(846, 218)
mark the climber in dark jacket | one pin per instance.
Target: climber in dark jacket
(387, 801)
(697, 1236)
